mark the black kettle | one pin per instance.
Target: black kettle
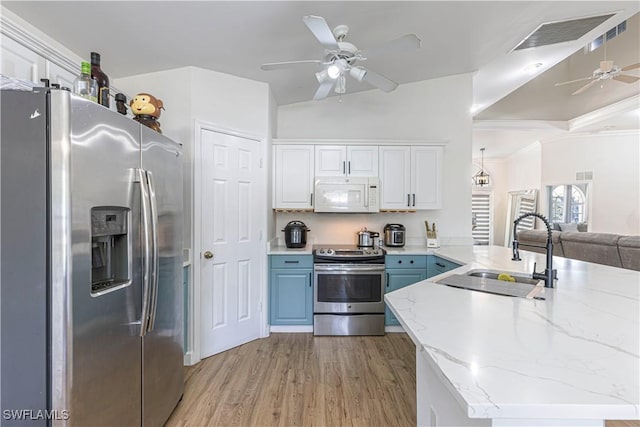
(295, 234)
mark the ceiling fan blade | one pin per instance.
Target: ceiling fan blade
(574, 81)
(324, 89)
(321, 30)
(379, 81)
(585, 87)
(630, 67)
(404, 43)
(625, 78)
(288, 64)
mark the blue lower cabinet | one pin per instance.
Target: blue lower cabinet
(402, 270)
(437, 265)
(399, 278)
(290, 292)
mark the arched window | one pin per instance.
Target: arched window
(568, 203)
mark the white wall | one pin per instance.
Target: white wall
(519, 171)
(193, 94)
(434, 110)
(614, 193)
(614, 159)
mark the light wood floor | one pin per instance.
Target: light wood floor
(299, 380)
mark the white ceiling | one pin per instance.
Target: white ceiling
(236, 37)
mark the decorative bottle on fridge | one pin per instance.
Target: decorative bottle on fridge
(84, 85)
(101, 78)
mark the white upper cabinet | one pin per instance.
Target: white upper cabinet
(346, 160)
(331, 160)
(293, 176)
(410, 177)
(395, 177)
(20, 62)
(61, 76)
(426, 177)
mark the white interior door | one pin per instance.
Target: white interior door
(231, 204)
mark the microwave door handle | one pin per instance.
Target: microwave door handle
(146, 250)
(366, 196)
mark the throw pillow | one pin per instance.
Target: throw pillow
(570, 226)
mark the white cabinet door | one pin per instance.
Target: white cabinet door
(426, 177)
(293, 180)
(362, 160)
(20, 62)
(346, 160)
(331, 160)
(395, 177)
(61, 76)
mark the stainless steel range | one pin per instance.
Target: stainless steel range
(348, 290)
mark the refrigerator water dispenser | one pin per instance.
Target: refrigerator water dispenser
(110, 253)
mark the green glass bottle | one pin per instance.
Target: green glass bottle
(84, 85)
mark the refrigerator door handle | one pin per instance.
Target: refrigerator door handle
(146, 251)
(154, 253)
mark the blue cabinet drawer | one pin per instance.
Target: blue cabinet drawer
(291, 261)
(440, 265)
(406, 261)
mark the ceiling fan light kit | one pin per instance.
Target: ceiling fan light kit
(340, 58)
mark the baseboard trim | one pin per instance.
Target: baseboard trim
(291, 328)
(393, 329)
(189, 359)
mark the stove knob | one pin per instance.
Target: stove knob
(330, 252)
(375, 252)
(321, 251)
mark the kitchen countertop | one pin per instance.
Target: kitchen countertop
(283, 250)
(574, 355)
(275, 249)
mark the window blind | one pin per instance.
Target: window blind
(481, 215)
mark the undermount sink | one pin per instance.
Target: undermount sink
(487, 281)
(493, 274)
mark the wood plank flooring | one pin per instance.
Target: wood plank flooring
(302, 380)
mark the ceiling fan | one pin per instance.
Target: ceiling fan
(607, 71)
(340, 58)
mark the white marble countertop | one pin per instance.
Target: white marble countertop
(410, 250)
(574, 355)
(283, 250)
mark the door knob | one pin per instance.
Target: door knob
(208, 254)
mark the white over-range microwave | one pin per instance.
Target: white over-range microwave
(347, 195)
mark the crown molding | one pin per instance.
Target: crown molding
(626, 105)
(523, 125)
(13, 29)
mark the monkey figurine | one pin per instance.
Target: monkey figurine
(146, 109)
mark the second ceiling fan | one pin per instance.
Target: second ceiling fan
(340, 58)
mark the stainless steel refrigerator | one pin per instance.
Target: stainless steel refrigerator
(91, 265)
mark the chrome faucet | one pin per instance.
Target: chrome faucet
(549, 274)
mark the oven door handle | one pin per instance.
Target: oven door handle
(351, 268)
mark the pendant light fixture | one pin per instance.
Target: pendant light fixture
(481, 178)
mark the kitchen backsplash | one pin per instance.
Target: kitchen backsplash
(342, 228)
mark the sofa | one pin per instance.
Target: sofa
(600, 248)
